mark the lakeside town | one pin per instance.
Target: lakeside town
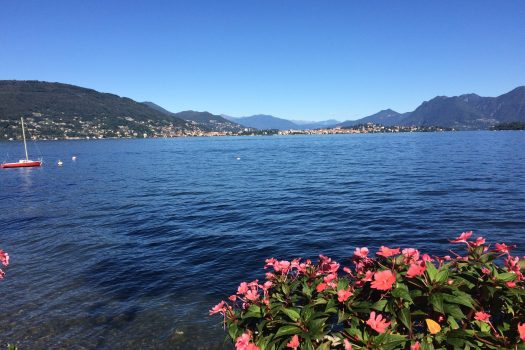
(45, 128)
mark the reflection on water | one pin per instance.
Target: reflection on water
(129, 246)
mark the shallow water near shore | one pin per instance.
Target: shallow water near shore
(130, 245)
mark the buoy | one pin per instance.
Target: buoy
(59, 162)
(238, 158)
(74, 158)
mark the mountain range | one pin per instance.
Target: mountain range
(58, 110)
(385, 117)
(61, 110)
(205, 120)
(464, 112)
(267, 122)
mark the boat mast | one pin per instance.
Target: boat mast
(24, 136)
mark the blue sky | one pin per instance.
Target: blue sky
(296, 59)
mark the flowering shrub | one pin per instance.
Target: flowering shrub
(399, 299)
(4, 260)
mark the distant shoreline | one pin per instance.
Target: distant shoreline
(280, 133)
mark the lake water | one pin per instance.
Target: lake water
(130, 245)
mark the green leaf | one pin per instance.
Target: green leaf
(379, 305)
(426, 346)
(414, 293)
(307, 344)
(324, 346)
(431, 271)
(452, 322)
(454, 311)
(458, 338)
(442, 275)
(294, 315)
(263, 342)
(391, 341)
(307, 312)
(253, 311)
(460, 298)
(506, 277)
(316, 327)
(436, 300)
(464, 279)
(233, 331)
(404, 316)
(330, 307)
(402, 293)
(287, 330)
(285, 288)
(307, 290)
(362, 306)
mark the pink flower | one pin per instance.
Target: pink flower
(320, 287)
(426, 257)
(347, 344)
(232, 297)
(252, 295)
(329, 278)
(378, 324)
(294, 343)
(512, 262)
(383, 280)
(220, 307)
(270, 262)
(326, 265)
(343, 295)
(243, 342)
(267, 285)
(368, 276)
(243, 288)
(521, 331)
(296, 263)
(510, 284)
(416, 269)
(502, 248)
(479, 241)
(482, 316)
(411, 255)
(387, 252)
(415, 346)
(283, 266)
(485, 270)
(462, 238)
(278, 266)
(347, 270)
(361, 252)
(4, 257)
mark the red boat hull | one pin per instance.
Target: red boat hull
(21, 164)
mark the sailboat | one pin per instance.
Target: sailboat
(23, 163)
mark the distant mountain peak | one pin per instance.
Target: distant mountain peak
(156, 107)
(388, 110)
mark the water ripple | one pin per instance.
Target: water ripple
(111, 252)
